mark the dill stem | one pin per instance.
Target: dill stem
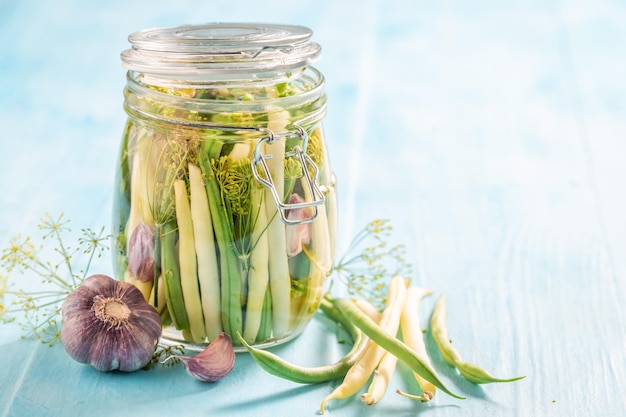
(49, 303)
(48, 272)
(87, 267)
(342, 264)
(66, 256)
(36, 295)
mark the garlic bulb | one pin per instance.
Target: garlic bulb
(109, 325)
(214, 362)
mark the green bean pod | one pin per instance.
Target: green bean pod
(390, 344)
(451, 356)
(277, 366)
(232, 320)
(171, 277)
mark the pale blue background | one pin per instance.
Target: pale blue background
(491, 133)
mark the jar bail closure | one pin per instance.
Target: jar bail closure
(258, 159)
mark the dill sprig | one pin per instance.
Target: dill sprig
(315, 148)
(235, 179)
(41, 310)
(369, 263)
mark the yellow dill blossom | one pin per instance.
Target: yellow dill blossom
(39, 311)
(369, 263)
(4, 282)
(293, 169)
(315, 147)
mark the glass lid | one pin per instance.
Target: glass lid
(220, 48)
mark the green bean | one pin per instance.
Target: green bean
(158, 302)
(277, 366)
(451, 356)
(390, 343)
(265, 329)
(171, 277)
(230, 279)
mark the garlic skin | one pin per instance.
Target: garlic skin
(214, 362)
(108, 325)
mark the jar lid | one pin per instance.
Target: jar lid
(220, 48)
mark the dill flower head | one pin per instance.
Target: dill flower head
(4, 283)
(39, 311)
(370, 263)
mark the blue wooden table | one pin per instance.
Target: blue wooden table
(491, 134)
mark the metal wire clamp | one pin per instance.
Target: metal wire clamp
(258, 159)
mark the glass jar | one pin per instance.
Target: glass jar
(225, 211)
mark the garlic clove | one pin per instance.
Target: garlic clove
(299, 234)
(141, 252)
(214, 362)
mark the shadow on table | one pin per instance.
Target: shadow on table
(44, 381)
(269, 399)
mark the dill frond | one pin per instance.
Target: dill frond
(38, 313)
(369, 263)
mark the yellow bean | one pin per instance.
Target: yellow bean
(382, 377)
(412, 336)
(361, 371)
(369, 309)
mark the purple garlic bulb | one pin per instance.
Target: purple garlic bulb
(109, 325)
